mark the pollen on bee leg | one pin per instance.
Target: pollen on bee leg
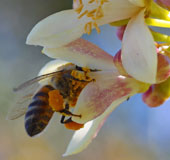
(73, 125)
(55, 100)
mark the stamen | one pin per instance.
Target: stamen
(96, 27)
(94, 14)
(96, 1)
(99, 13)
(91, 1)
(84, 13)
(88, 28)
(91, 13)
(79, 9)
(103, 1)
(73, 125)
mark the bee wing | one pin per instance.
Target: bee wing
(22, 100)
(24, 94)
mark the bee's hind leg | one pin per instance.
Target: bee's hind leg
(63, 121)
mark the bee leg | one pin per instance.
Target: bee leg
(65, 121)
(68, 113)
(62, 119)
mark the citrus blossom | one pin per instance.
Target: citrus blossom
(111, 86)
(138, 49)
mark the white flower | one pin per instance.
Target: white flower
(100, 97)
(138, 49)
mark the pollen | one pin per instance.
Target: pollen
(93, 14)
(55, 100)
(79, 75)
(73, 125)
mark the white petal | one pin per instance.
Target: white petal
(84, 136)
(57, 30)
(140, 3)
(53, 66)
(116, 10)
(106, 91)
(84, 54)
(113, 10)
(139, 55)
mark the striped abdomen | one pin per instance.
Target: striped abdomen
(39, 112)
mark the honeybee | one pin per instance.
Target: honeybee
(40, 97)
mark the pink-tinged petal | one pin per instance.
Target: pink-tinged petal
(107, 90)
(163, 68)
(139, 55)
(83, 137)
(116, 10)
(120, 31)
(83, 53)
(118, 63)
(157, 94)
(57, 30)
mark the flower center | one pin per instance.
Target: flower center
(94, 14)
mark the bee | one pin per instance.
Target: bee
(57, 92)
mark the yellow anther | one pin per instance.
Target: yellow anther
(91, 1)
(96, 27)
(94, 14)
(88, 28)
(79, 9)
(103, 1)
(84, 13)
(99, 13)
(91, 13)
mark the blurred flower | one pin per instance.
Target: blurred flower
(164, 3)
(99, 98)
(159, 93)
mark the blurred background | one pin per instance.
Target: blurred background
(132, 132)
